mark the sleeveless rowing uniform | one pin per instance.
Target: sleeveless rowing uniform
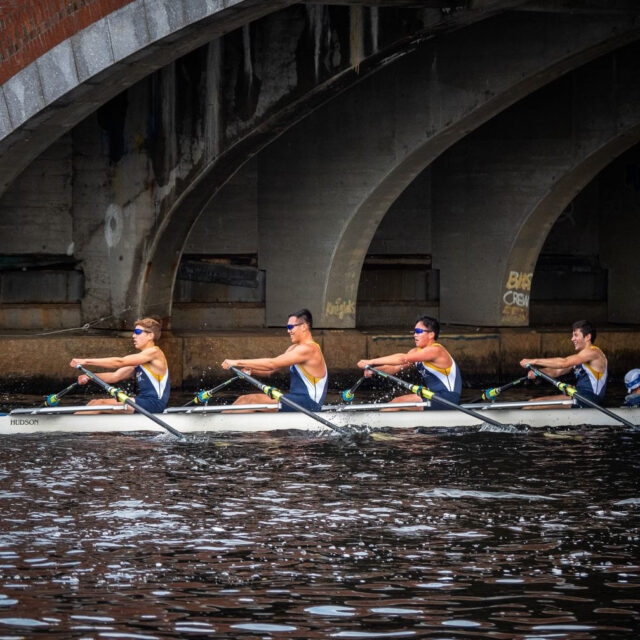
(590, 383)
(306, 390)
(446, 383)
(153, 390)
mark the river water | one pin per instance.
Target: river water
(401, 535)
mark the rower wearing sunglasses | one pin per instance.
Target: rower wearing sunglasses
(309, 376)
(433, 362)
(149, 366)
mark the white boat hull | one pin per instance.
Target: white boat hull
(216, 422)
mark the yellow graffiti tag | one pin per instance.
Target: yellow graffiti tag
(340, 308)
(520, 281)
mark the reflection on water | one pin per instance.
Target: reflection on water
(483, 535)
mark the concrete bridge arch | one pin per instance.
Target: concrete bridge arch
(61, 86)
(94, 65)
(526, 184)
(390, 136)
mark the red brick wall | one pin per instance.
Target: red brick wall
(29, 28)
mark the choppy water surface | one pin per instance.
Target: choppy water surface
(481, 535)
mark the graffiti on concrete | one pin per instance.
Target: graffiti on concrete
(340, 308)
(516, 297)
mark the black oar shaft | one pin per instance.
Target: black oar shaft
(489, 394)
(54, 399)
(121, 396)
(429, 395)
(572, 392)
(274, 393)
(204, 396)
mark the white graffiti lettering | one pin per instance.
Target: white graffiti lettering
(511, 298)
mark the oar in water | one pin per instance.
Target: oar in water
(204, 396)
(275, 394)
(53, 399)
(572, 392)
(429, 395)
(121, 396)
(348, 394)
(490, 394)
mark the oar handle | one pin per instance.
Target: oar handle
(121, 396)
(348, 394)
(429, 395)
(275, 394)
(572, 392)
(204, 396)
(53, 399)
(489, 394)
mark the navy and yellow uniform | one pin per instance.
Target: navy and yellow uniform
(153, 390)
(306, 390)
(446, 383)
(590, 383)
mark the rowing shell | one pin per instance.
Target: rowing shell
(211, 419)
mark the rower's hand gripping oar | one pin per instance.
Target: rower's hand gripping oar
(491, 394)
(572, 392)
(275, 394)
(204, 396)
(429, 395)
(53, 399)
(121, 396)
(348, 394)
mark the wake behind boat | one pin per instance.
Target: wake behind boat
(70, 419)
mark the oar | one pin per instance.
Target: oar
(54, 399)
(572, 392)
(429, 395)
(204, 396)
(121, 396)
(490, 394)
(272, 392)
(348, 394)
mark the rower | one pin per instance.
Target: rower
(309, 376)
(589, 365)
(149, 366)
(431, 359)
(632, 383)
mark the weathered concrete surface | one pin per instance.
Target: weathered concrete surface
(533, 165)
(41, 363)
(326, 184)
(65, 84)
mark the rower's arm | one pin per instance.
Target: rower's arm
(556, 367)
(387, 364)
(110, 377)
(132, 360)
(264, 366)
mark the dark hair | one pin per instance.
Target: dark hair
(431, 324)
(304, 315)
(586, 327)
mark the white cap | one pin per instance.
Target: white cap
(632, 379)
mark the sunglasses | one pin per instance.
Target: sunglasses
(290, 327)
(419, 331)
(139, 331)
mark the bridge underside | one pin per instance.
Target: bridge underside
(369, 163)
